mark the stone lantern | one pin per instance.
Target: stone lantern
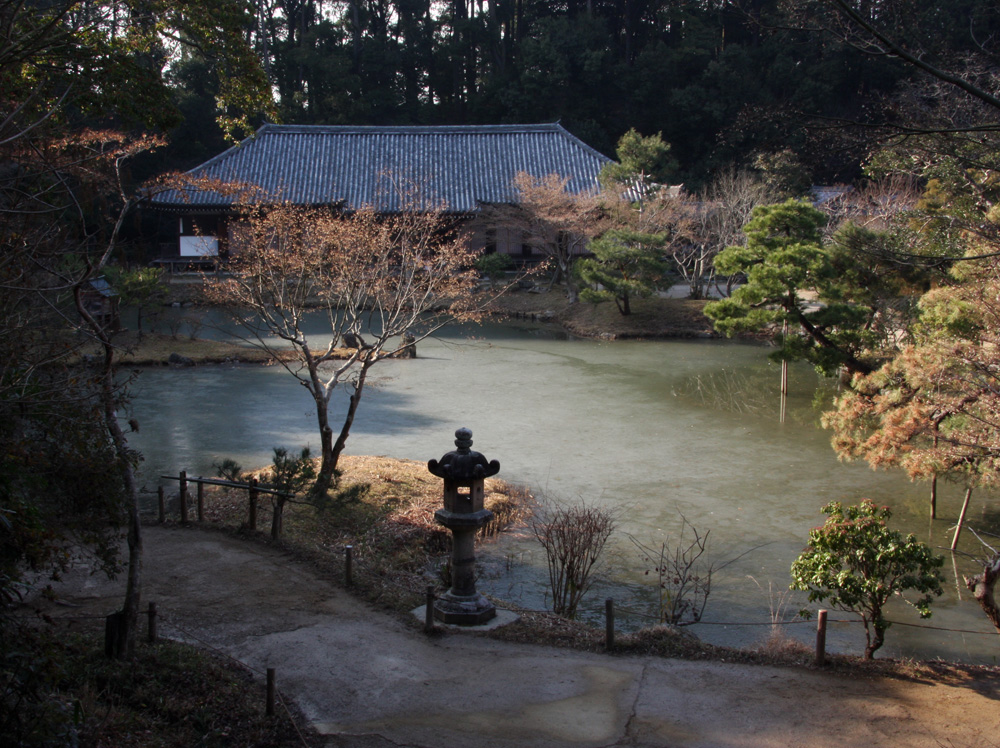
(464, 472)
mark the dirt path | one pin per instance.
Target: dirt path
(367, 680)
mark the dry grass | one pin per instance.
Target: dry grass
(650, 318)
(383, 508)
(154, 349)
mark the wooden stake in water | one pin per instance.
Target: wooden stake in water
(961, 517)
(784, 375)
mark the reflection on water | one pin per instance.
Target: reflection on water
(749, 392)
(657, 429)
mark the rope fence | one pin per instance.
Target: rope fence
(353, 566)
(357, 576)
(796, 621)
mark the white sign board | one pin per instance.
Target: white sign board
(199, 246)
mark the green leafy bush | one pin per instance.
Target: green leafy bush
(855, 563)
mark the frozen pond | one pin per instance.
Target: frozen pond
(658, 429)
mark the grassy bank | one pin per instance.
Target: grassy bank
(652, 318)
(383, 508)
(157, 349)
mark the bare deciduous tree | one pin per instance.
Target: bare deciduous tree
(552, 219)
(683, 578)
(698, 227)
(376, 278)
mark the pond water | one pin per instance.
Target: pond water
(659, 430)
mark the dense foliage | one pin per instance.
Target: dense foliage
(625, 265)
(792, 284)
(722, 83)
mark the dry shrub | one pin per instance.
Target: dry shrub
(538, 627)
(683, 579)
(573, 538)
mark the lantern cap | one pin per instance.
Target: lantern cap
(464, 463)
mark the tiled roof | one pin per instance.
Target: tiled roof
(461, 166)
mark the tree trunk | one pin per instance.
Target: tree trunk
(850, 363)
(328, 460)
(982, 586)
(332, 450)
(352, 410)
(875, 641)
(124, 647)
(133, 588)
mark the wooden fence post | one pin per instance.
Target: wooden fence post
(161, 504)
(609, 624)
(821, 638)
(201, 501)
(348, 565)
(183, 497)
(429, 613)
(270, 692)
(151, 628)
(252, 518)
(112, 634)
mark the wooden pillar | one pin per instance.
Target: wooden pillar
(113, 625)
(429, 611)
(201, 501)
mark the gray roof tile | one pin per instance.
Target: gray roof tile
(461, 166)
